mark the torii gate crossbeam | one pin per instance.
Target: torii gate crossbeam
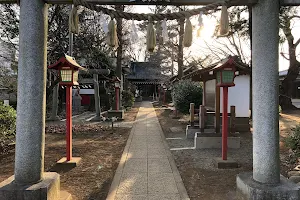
(172, 2)
(264, 182)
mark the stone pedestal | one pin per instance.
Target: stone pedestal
(247, 189)
(225, 164)
(47, 189)
(74, 162)
(114, 113)
(56, 118)
(191, 131)
(96, 119)
(214, 141)
(77, 103)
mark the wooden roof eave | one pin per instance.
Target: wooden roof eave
(69, 60)
(205, 77)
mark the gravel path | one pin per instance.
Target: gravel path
(202, 180)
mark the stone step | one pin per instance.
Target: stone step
(64, 195)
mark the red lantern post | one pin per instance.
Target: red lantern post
(225, 79)
(69, 122)
(225, 123)
(68, 74)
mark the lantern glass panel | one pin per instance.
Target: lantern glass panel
(227, 76)
(117, 84)
(218, 77)
(75, 76)
(66, 75)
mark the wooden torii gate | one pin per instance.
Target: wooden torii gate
(265, 181)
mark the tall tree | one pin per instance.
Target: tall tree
(240, 25)
(287, 15)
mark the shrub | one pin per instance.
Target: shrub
(186, 92)
(293, 141)
(127, 98)
(7, 121)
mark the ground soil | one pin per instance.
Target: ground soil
(98, 145)
(201, 179)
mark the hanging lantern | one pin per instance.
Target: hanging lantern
(224, 22)
(164, 30)
(74, 21)
(151, 36)
(200, 24)
(134, 35)
(188, 34)
(112, 37)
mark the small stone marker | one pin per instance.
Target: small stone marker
(192, 114)
(6, 102)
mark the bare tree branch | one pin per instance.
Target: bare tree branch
(284, 56)
(297, 43)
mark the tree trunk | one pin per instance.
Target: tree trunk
(180, 49)
(286, 90)
(119, 53)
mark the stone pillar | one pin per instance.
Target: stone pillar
(30, 137)
(54, 110)
(265, 182)
(265, 92)
(97, 96)
(202, 114)
(204, 94)
(192, 114)
(232, 119)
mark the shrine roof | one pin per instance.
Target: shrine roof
(145, 71)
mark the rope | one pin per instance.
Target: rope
(154, 17)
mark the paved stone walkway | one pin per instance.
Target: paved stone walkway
(147, 170)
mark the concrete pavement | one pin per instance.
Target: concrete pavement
(147, 170)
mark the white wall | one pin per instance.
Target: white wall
(238, 96)
(86, 91)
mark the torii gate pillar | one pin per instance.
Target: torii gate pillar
(30, 181)
(265, 182)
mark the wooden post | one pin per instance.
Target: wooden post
(204, 94)
(117, 90)
(202, 113)
(97, 95)
(192, 114)
(217, 110)
(232, 119)
(69, 122)
(224, 123)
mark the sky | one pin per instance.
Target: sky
(199, 44)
